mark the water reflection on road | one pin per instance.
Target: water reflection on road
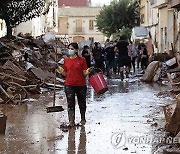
(124, 109)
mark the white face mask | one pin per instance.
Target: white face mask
(71, 52)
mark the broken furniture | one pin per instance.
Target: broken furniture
(174, 74)
(174, 78)
(172, 115)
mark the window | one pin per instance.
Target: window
(78, 25)
(165, 35)
(91, 24)
(142, 18)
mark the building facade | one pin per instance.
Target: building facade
(162, 19)
(74, 3)
(40, 25)
(78, 23)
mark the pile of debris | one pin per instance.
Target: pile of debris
(172, 115)
(166, 70)
(26, 64)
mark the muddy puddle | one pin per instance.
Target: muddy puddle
(121, 121)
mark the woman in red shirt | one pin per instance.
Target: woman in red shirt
(75, 71)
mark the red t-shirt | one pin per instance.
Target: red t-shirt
(74, 68)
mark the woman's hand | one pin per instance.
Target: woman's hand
(60, 69)
(88, 71)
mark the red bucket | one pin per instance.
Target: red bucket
(98, 82)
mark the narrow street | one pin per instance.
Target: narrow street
(124, 53)
(130, 109)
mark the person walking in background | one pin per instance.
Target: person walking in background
(109, 54)
(123, 49)
(107, 42)
(75, 70)
(116, 64)
(144, 57)
(150, 48)
(139, 53)
(86, 54)
(133, 53)
(97, 53)
(116, 61)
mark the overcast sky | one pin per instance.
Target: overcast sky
(100, 2)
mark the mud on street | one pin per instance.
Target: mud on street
(130, 109)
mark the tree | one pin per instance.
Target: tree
(118, 15)
(14, 12)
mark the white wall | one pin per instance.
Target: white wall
(178, 45)
(34, 27)
(39, 25)
(163, 19)
(2, 28)
(25, 27)
(170, 29)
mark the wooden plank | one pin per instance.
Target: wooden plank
(174, 70)
(13, 77)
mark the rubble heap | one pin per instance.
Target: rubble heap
(26, 64)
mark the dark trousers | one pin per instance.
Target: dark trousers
(109, 65)
(80, 92)
(116, 66)
(133, 63)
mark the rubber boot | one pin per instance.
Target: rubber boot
(83, 117)
(127, 72)
(71, 116)
(121, 76)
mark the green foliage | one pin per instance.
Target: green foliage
(16, 11)
(119, 14)
(125, 31)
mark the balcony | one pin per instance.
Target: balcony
(78, 30)
(174, 4)
(159, 3)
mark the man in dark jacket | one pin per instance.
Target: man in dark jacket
(110, 54)
(86, 55)
(123, 49)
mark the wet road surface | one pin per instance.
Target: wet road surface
(115, 122)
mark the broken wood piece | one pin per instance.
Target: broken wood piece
(168, 111)
(17, 69)
(39, 73)
(13, 77)
(6, 94)
(51, 85)
(174, 123)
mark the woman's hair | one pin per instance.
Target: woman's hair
(74, 45)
